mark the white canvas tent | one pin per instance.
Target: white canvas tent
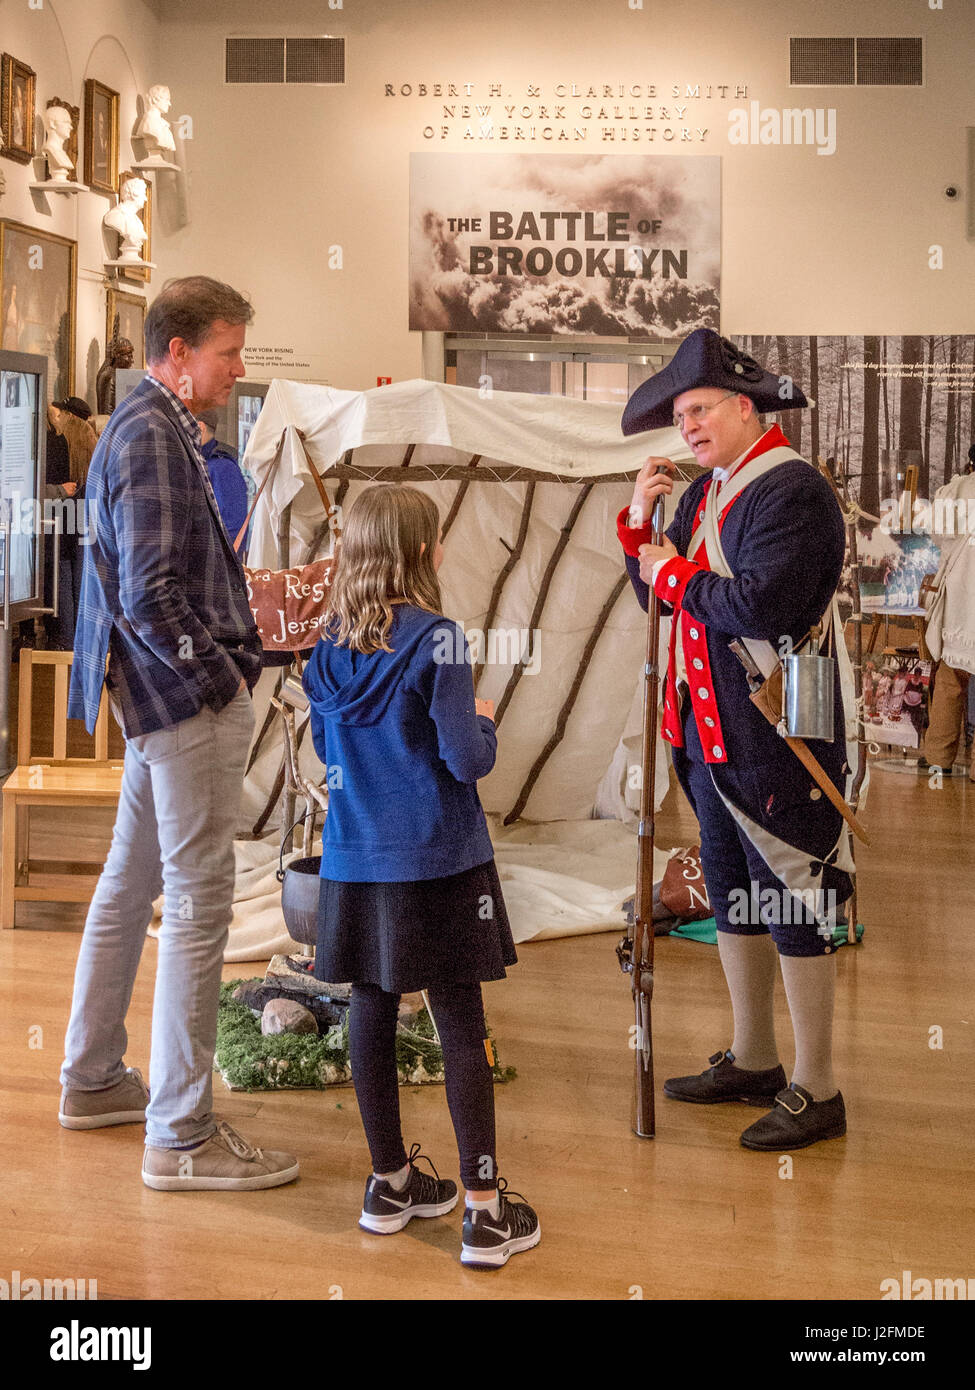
(570, 860)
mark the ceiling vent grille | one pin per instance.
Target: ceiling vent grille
(316, 60)
(255, 60)
(890, 63)
(849, 62)
(309, 61)
(822, 62)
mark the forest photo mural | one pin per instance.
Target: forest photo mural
(881, 405)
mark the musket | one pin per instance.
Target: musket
(636, 953)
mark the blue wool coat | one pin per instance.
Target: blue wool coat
(784, 540)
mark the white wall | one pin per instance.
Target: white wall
(65, 42)
(276, 175)
(812, 244)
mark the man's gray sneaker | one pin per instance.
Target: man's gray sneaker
(225, 1161)
(122, 1104)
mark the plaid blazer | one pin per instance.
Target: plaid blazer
(162, 592)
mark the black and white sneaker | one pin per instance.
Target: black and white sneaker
(386, 1210)
(490, 1242)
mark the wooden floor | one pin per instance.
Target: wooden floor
(689, 1215)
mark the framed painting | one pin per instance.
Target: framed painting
(17, 86)
(145, 216)
(38, 279)
(101, 137)
(131, 310)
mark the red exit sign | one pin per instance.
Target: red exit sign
(384, 381)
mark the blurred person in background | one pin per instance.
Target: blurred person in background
(226, 479)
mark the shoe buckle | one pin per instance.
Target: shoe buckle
(791, 1101)
(718, 1057)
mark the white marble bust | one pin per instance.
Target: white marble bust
(154, 129)
(57, 131)
(125, 220)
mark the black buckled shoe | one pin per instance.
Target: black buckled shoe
(796, 1121)
(723, 1082)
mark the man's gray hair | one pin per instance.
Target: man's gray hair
(188, 309)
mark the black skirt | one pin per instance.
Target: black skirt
(410, 936)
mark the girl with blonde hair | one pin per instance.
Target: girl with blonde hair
(410, 897)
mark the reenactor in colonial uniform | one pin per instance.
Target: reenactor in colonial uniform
(753, 557)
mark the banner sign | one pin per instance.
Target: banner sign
(609, 245)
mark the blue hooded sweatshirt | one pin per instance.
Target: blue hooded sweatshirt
(404, 749)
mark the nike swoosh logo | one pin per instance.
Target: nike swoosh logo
(393, 1202)
(504, 1234)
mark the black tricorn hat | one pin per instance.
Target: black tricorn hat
(74, 405)
(706, 359)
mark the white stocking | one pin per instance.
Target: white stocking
(809, 986)
(749, 968)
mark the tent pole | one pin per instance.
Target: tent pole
(268, 721)
(570, 699)
(543, 589)
(514, 556)
(459, 496)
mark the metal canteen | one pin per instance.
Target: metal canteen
(808, 694)
(293, 693)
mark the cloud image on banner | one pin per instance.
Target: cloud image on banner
(609, 245)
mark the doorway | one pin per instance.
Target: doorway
(603, 371)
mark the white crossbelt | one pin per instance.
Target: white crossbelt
(708, 534)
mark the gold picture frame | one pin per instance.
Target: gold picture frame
(38, 285)
(18, 84)
(131, 309)
(145, 216)
(101, 136)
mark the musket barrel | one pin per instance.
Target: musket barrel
(643, 939)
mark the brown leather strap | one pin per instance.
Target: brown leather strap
(768, 699)
(257, 496)
(330, 511)
(326, 500)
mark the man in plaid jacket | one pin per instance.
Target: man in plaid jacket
(163, 599)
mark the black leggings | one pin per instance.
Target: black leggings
(459, 1015)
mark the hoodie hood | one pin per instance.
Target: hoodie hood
(357, 689)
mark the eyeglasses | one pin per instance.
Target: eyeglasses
(697, 412)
